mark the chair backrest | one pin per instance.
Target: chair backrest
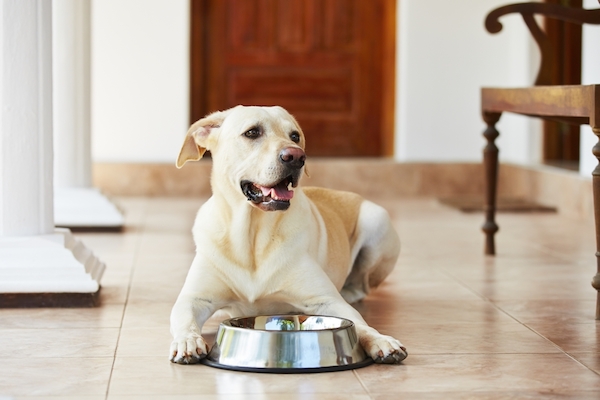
(528, 12)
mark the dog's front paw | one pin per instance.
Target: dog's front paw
(188, 349)
(384, 349)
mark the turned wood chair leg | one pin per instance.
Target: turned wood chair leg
(596, 199)
(490, 160)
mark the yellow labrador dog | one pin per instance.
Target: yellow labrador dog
(264, 245)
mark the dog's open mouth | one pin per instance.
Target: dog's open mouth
(270, 198)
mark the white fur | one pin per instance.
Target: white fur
(254, 262)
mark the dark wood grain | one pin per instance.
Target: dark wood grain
(329, 62)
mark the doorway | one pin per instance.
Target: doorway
(330, 63)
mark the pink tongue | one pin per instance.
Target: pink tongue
(278, 192)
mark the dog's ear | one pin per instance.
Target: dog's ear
(196, 139)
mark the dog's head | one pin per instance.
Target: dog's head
(258, 153)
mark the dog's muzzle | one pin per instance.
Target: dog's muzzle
(277, 197)
(271, 198)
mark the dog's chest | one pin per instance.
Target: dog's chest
(261, 257)
(261, 307)
(263, 280)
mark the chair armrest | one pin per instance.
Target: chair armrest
(528, 12)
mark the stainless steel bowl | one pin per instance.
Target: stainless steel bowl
(287, 344)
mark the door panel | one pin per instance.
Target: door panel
(325, 61)
(323, 91)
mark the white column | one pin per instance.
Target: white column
(35, 259)
(26, 107)
(77, 203)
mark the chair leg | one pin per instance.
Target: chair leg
(596, 194)
(490, 160)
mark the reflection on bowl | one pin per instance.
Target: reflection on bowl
(287, 344)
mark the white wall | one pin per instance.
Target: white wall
(590, 74)
(140, 79)
(445, 56)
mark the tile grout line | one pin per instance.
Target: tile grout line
(134, 262)
(493, 304)
(362, 384)
(563, 351)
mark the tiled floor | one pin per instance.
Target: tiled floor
(519, 325)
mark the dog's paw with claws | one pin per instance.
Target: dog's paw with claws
(188, 349)
(385, 350)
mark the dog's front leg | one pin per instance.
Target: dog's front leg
(189, 314)
(382, 348)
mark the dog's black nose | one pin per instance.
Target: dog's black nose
(293, 157)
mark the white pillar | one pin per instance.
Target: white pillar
(26, 107)
(71, 74)
(38, 264)
(77, 203)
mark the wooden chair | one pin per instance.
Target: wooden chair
(574, 104)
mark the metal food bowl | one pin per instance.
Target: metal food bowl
(287, 344)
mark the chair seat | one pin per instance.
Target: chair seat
(569, 103)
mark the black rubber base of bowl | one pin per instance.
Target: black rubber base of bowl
(334, 368)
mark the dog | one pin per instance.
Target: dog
(265, 245)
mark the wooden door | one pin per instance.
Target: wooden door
(328, 62)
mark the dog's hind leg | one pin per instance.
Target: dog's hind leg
(376, 251)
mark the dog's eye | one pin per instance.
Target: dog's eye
(252, 133)
(295, 136)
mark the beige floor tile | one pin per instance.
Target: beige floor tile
(564, 311)
(494, 395)
(115, 285)
(471, 338)
(147, 292)
(379, 311)
(475, 326)
(158, 287)
(413, 269)
(147, 315)
(572, 338)
(106, 316)
(117, 263)
(437, 287)
(499, 269)
(74, 397)
(532, 288)
(483, 372)
(142, 342)
(28, 376)
(170, 222)
(590, 360)
(113, 294)
(111, 244)
(117, 276)
(573, 238)
(159, 263)
(58, 343)
(166, 243)
(160, 282)
(158, 376)
(249, 396)
(169, 205)
(136, 342)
